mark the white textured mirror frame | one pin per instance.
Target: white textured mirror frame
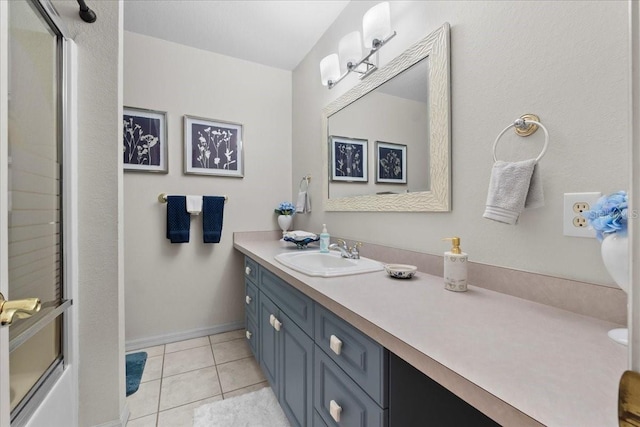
(438, 198)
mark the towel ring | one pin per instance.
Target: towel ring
(520, 123)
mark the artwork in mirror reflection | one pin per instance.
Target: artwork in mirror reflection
(391, 164)
(397, 111)
(349, 158)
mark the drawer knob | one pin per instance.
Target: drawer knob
(247, 270)
(335, 410)
(335, 344)
(247, 299)
(248, 334)
(277, 325)
(272, 319)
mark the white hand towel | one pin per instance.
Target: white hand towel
(303, 204)
(513, 186)
(194, 204)
(535, 196)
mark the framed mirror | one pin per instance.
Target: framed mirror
(400, 118)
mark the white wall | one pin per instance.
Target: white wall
(565, 61)
(178, 288)
(100, 294)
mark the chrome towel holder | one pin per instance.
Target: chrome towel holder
(526, 125)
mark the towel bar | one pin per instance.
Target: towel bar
(162, 198)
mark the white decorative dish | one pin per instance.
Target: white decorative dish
(401, 271)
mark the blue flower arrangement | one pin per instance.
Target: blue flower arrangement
(285, 208)
(609, 214)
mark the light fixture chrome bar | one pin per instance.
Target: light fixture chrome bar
(377, 44)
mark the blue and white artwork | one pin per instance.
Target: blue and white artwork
(349, 159)
(144, 140)
(392, 163)
(213, 148)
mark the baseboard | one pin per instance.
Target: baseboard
(181, 336)
(124, 416)
(122, 422)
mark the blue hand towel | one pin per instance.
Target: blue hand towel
(212, 213)
(178, 219)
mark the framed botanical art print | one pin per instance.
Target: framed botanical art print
(144, 140)
(213, 147)
(348, 159)
(391, 163)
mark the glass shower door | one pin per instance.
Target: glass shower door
(34, 249)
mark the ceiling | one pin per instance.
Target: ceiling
(274, 33)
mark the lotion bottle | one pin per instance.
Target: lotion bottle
(324, 240)
(455, 267)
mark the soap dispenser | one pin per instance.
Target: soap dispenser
(455, 267)
(324, 240)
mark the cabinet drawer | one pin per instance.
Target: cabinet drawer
(252, 335)
(251, 269)
(356, 407)
(251, 300)
(363, 359)
(298, 306)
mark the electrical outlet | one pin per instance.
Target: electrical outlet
(574, 224)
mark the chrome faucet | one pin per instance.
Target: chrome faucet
(345, 250)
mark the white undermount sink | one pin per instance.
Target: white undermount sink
(315, 263)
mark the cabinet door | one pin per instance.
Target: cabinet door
(296, 370)
(252, 335)
(268, 345)
(251, 300)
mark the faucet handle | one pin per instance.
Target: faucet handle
(355, 253)
(342, 243)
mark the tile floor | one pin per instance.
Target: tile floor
(181, 376)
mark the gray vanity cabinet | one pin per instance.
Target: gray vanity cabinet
(286, 351)
(327, 373)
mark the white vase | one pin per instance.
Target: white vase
(615, 255)
(284, 221)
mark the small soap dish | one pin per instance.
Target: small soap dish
(400, 271)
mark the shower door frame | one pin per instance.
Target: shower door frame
(56, 400)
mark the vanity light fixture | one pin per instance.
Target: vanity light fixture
(376, 28)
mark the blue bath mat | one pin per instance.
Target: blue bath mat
(134, 368)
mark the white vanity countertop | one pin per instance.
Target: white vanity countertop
(520, 362)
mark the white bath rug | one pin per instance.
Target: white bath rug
(256, 409)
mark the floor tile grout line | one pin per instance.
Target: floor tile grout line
(235, 360)
(186, 349)
(190, 370)
(217, 372)
(160, 391)
(250, 385)
(190, 403)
